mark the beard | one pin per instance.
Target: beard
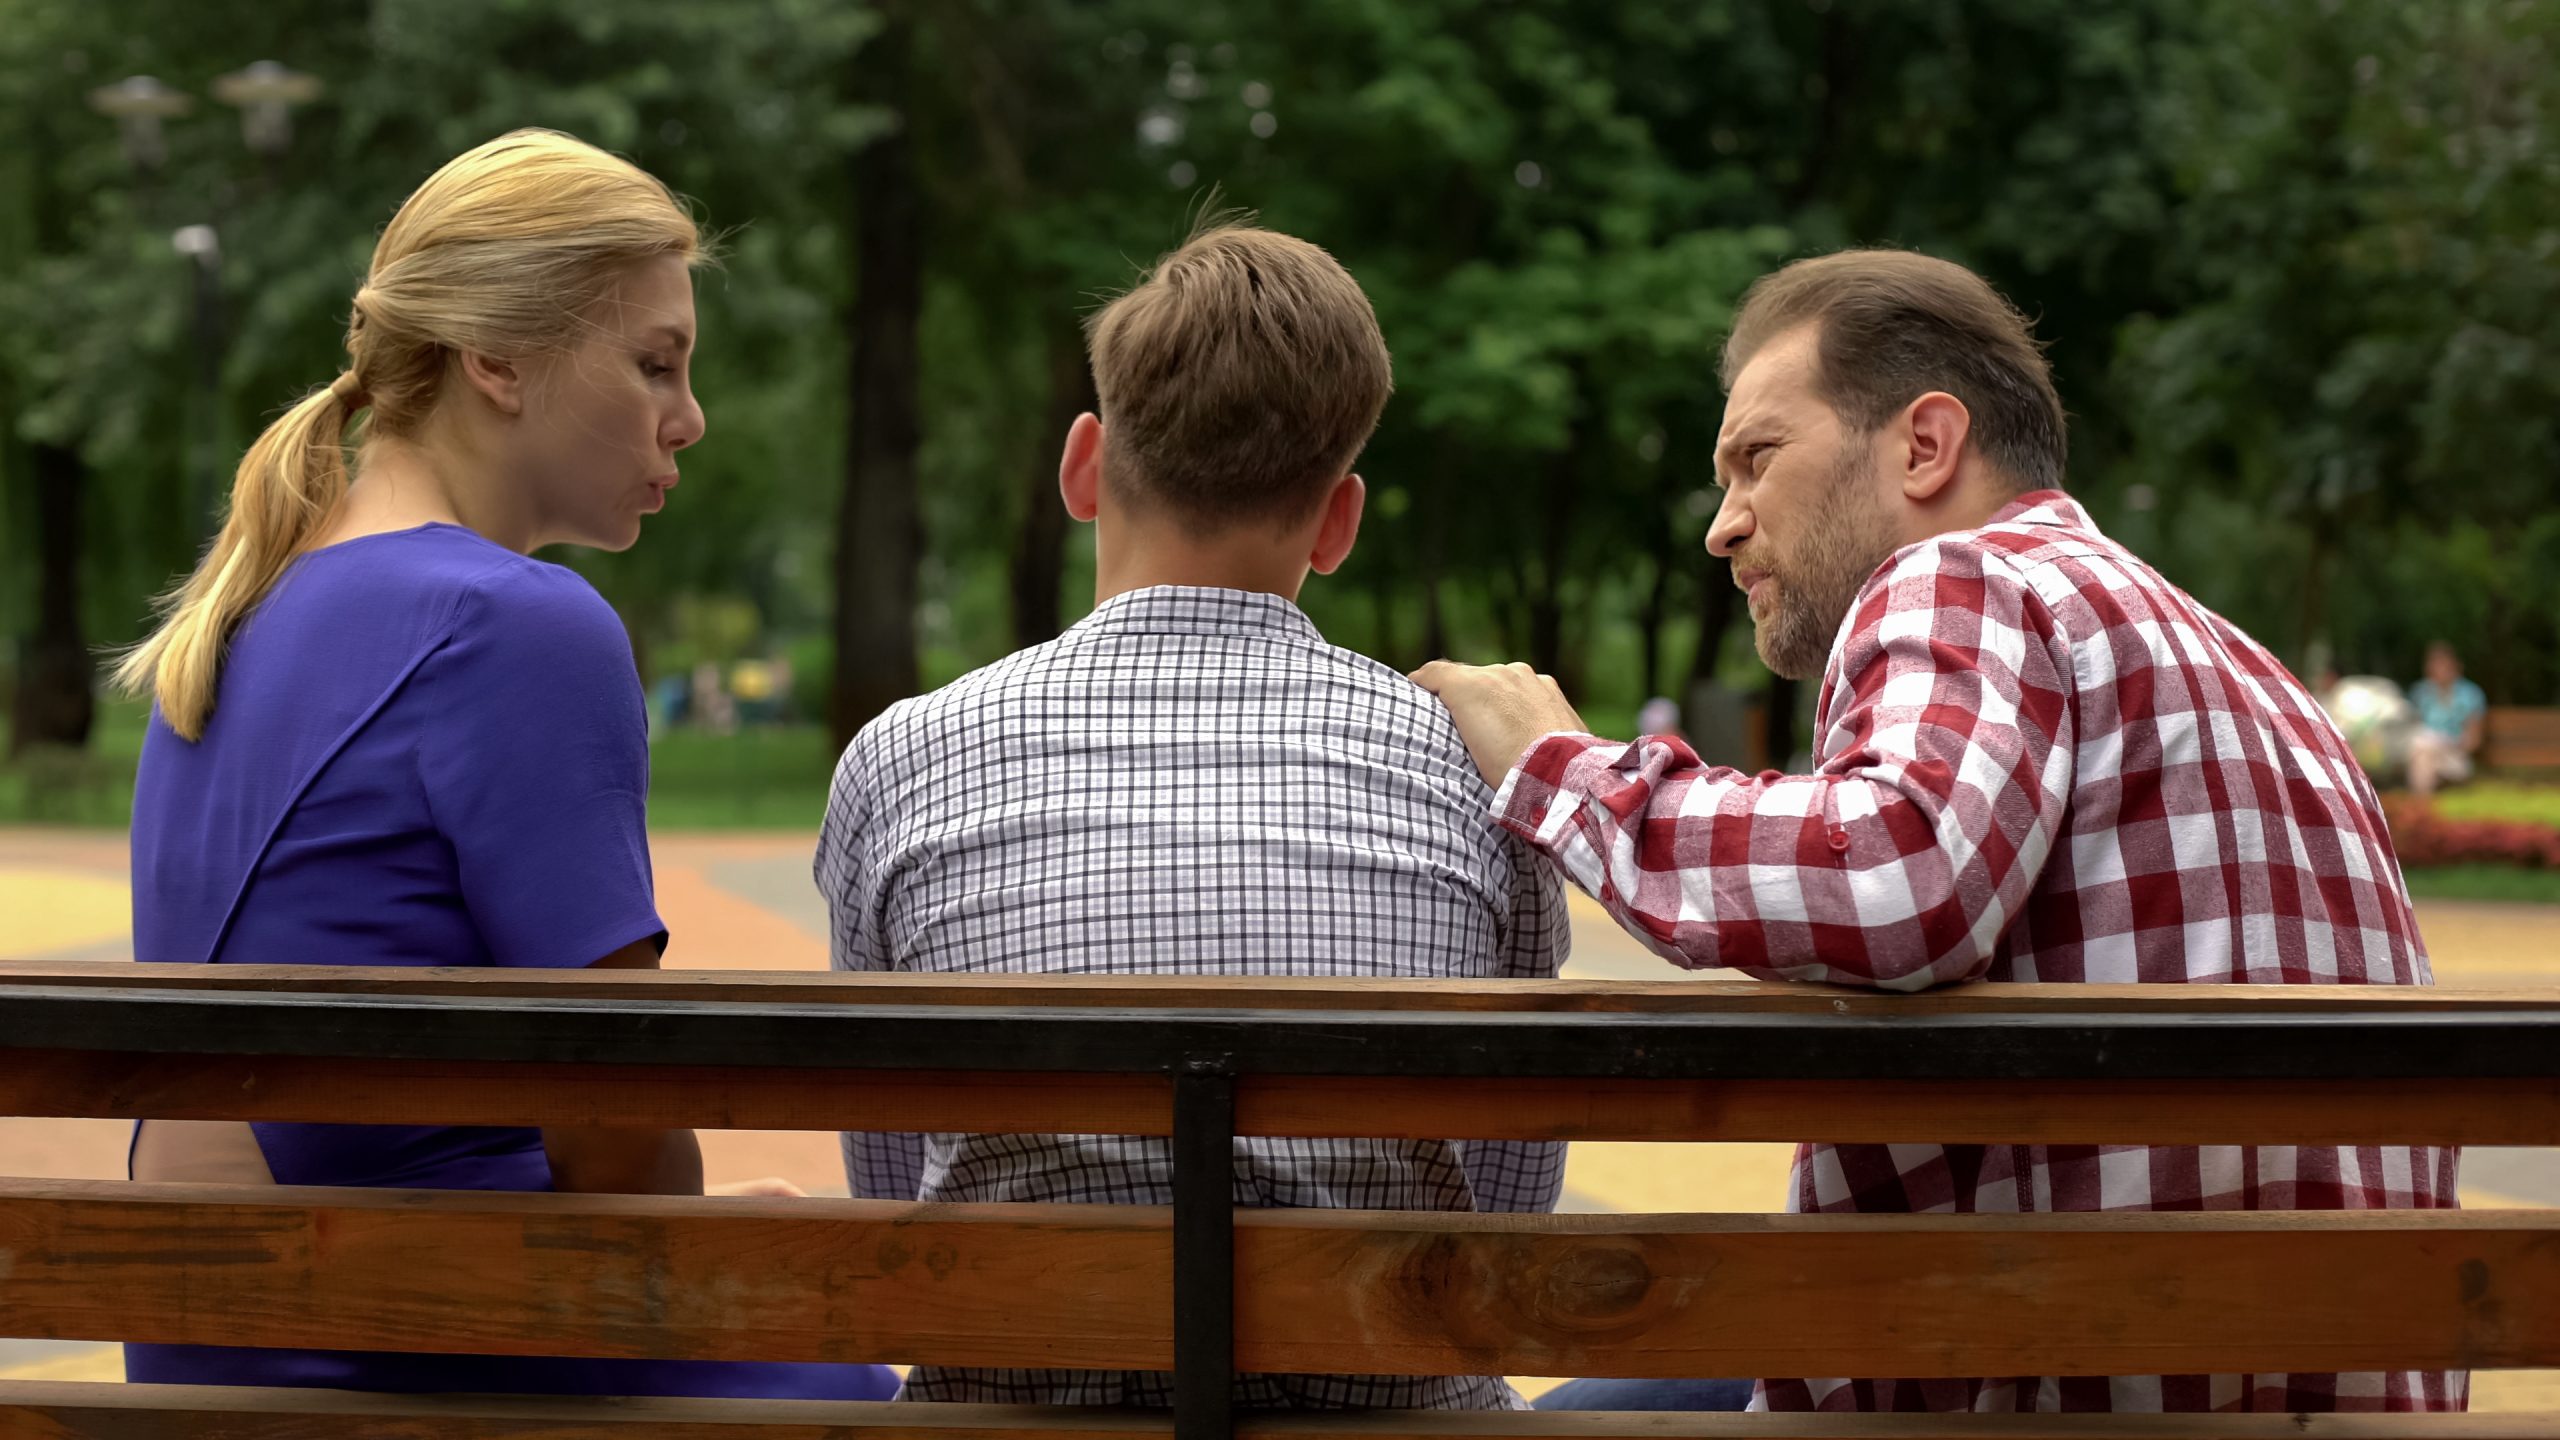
(1813, 582)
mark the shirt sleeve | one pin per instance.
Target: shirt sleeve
(1537, 936)
(536, 769)
(1948, 730)
(878, 1165)
(844, 869)
(1524, 1176)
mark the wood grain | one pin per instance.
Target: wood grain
(1318, 1291)
(82, 1084)
(60, 1411)
(1668, 995)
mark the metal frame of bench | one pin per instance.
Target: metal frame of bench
(1204, 1060)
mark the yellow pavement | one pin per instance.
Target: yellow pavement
(745, 902)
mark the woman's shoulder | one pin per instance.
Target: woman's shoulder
(480, 589)
(539, 621)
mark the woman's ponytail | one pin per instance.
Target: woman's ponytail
(286, 486)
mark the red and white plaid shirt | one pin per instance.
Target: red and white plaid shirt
(2035, 759)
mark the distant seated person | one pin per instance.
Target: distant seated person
(1191, 781)
(2452, 716)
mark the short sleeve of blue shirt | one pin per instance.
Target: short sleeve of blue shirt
(535, 763)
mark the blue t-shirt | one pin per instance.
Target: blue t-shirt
(2447, 712)
(426, 750)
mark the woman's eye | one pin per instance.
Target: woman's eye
(656, 371)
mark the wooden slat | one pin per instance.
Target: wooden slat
(1990, 1112)
(613, 1276)
(1318, 1291)
(2517, 737)
(83, 1084)
(55, 1411)
(1669, 995)
(224, 1087)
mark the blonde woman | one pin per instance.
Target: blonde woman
(385, 735)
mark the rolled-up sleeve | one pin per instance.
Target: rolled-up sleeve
(1948, 735)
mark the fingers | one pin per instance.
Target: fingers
(1440, 675)
(771, 1186)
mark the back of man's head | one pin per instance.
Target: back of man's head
(1239, 380)
(1896, 325)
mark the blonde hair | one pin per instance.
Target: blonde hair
(501, 252)
(1241, 376)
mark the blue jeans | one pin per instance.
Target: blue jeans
(1647, 1395)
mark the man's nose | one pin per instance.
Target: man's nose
(1732, 526)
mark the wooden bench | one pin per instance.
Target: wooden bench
(1205, 1290)
(2520, 737)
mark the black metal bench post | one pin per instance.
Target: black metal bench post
(1204, 1250)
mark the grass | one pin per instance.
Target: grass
(765, 779)
(2484, 882)
(776, 779)
(754, 780)
(2502, 800)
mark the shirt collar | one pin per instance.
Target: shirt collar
(2046, 507)
(1198, 610)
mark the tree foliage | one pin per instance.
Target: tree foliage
(2299, 263)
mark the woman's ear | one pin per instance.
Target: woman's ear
(500, 382)
(1080, 468)
(1342, 507)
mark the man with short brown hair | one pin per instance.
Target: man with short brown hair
(1191, 781)
(2034, 759)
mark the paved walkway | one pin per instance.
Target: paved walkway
(745, 902)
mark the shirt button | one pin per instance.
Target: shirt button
(1839, 839)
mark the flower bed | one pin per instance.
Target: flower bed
(2425, 837)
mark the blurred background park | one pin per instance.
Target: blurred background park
(2298, 260)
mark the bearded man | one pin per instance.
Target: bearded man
(2034, 760)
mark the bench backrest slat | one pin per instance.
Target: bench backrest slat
(1262, 992)
(59, 1411)
(2521, 737)
(1318, 1291)
(2443, 1111)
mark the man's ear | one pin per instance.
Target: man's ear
(1342, 506)
(1080, 468)
(500, 382)
(1935, 428)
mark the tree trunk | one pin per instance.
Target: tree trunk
(1716, 604)
(1650, 619)
(56, 701)
(1779, 721)
(1546, 602)
(878, 531)
(1429, 510)
(1039, 546)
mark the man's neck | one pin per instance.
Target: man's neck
(1137, 557)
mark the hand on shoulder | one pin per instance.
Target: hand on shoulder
(1500, 710)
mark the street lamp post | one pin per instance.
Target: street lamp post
(138, 103)
(265, 93)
